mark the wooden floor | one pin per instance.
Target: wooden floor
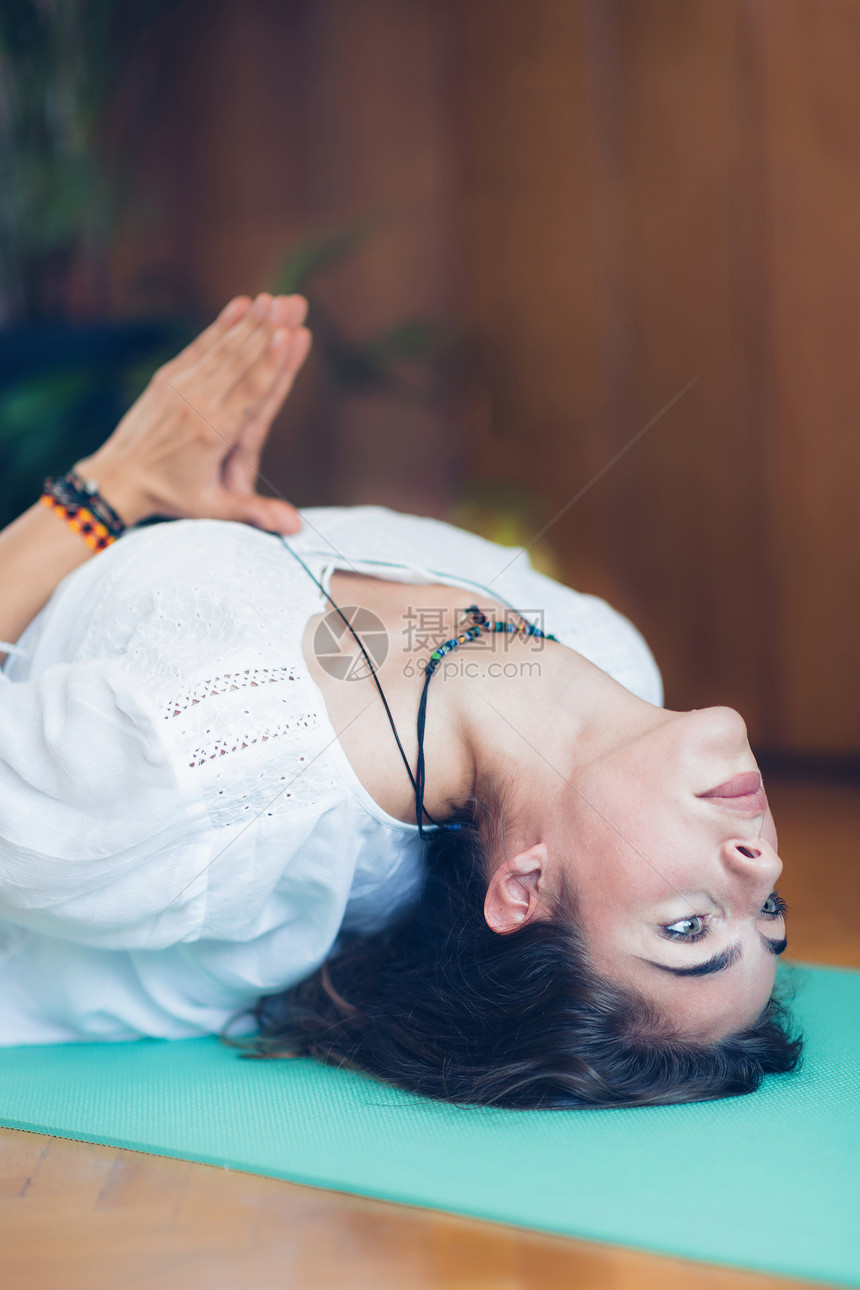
(80, 1217)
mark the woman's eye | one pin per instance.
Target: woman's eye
(687, 929)
(774, 906)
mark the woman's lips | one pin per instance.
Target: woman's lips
(740, 786)
(744, 794)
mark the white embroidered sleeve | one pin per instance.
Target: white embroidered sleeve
(102, 830)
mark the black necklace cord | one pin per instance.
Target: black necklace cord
(420, 773)
(432, 663)
(412, 780)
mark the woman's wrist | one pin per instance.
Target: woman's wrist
(117, 486)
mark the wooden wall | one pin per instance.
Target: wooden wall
(612, 199)
(278, 121)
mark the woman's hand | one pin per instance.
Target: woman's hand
(190, 446)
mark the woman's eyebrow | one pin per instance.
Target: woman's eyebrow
(717, 964)
(720, 961)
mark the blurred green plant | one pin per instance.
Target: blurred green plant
(379, 362)
(63, 385)
(60, 61)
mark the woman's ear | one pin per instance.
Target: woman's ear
(517, 891)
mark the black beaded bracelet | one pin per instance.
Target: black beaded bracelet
(75, 493)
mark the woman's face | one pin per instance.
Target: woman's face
(676, 889)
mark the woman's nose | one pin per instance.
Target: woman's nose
(754, 862)
(721, 733)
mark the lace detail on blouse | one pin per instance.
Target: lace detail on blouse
(208, 752)
(210, 619)
(228, 681)
(254, 751)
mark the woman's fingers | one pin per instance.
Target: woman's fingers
(222, 364)
(242, 466)
(259, 353)
(249, 368)
(293, 362)
(195, 435)
(190, 370)
(293, 310)
(231, 314)
(269, 513)
(279, 367)
(236, 325)
(256, 369)
(239, 381)
(207, 369)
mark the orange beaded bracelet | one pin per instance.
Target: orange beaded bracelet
(82, 521)
(79, 503)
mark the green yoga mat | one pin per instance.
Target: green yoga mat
(768, 1181)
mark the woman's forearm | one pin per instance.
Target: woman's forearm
(38, 549)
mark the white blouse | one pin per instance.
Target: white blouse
(180, 828)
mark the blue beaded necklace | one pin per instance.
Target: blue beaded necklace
(480, 624)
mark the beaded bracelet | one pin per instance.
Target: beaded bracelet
(80, 504)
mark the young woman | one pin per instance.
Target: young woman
(232, 786)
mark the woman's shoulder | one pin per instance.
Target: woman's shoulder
(436, 550)
(421, 542)
(368, 519)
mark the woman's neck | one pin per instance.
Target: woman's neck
(531, 722)
(504, 707)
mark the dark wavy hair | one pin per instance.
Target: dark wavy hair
(441, 1005)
